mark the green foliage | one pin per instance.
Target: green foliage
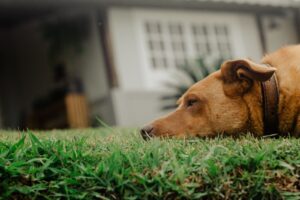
(118, 164)
(193, 73)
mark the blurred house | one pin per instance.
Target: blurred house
(117, 54)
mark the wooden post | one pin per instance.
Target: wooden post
(77, 110)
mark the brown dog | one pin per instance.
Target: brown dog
(229, 101)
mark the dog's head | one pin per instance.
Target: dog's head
(215, 104)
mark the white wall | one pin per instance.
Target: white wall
(136, 108)
(127, 59)
(250, 37)
(281, 34)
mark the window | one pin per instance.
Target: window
(168, 48)
(156, 45)
(201, 39)
(178, 44)
(212, 39)
(169, 39)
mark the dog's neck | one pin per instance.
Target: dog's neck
(270, 103)
(289, 104)
(253, 100)
(288, 108)
(262, 102)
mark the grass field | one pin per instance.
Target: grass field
(118, 164)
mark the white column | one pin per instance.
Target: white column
(279, 31)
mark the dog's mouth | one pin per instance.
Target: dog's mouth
(145, 135)
(147, 132)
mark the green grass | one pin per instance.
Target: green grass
(118, 164)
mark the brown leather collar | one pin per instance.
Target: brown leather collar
(270, 98)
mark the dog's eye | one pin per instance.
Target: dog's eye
(191, 102)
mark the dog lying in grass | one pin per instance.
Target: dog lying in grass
(233, 100)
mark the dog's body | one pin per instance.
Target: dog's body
(287, 63)
(229, 101)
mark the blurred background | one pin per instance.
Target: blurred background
(66, 63)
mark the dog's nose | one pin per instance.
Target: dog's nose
(147, 132)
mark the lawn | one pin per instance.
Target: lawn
(118, 164)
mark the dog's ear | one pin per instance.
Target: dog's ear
(239, 75)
